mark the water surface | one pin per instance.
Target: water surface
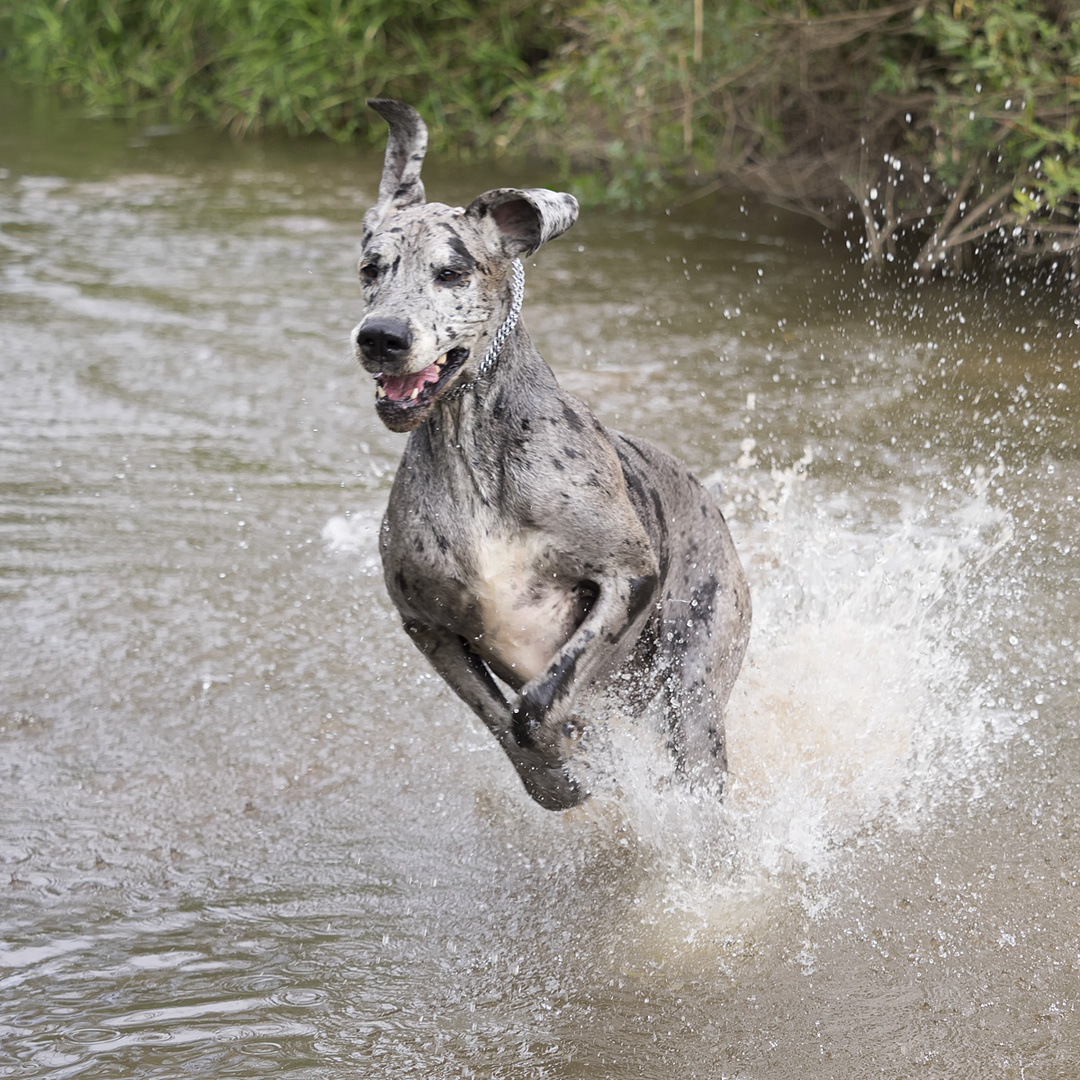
(244, 830)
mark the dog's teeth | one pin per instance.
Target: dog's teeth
(415, 394)
(441, 360)
(379, 391)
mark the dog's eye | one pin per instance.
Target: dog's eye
(369, 272)
(449, 276)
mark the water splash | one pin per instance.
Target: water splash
(857, 705)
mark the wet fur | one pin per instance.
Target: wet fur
(523, 543)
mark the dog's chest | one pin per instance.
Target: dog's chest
(505, 591)
(469, 564)
(527, 608)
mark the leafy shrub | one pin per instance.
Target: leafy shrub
(946, 128)
(304, 66)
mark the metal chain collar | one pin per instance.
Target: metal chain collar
(485, 367)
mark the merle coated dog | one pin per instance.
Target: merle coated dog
(544, 565)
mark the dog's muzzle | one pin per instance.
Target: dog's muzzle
(419, 386)
(403, 399)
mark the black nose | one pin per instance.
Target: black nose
(384, 339)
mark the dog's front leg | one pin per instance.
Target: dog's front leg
(543, 773)
(544, 706)
(466, 673)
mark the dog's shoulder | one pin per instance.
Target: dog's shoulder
(562, 447)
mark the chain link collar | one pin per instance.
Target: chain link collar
(487, 365)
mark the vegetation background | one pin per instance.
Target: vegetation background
(944, 131)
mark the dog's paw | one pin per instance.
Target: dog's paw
(549, 731)
(550, 785)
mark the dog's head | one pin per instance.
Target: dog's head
(436, 279)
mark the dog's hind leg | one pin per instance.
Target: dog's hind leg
(703, 641)
(695, 720)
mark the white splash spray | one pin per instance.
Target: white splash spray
(856, 700)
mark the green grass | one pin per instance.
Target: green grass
(947, 128)
(302, 66)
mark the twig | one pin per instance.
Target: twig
(931, 252)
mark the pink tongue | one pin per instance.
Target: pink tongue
(401, 387)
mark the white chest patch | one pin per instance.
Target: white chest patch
(528, 610)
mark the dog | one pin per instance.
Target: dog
(544, 565)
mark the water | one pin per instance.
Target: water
(244, 831)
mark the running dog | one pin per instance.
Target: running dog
(543, 564)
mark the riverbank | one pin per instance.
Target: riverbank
(940, 134)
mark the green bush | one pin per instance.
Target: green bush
(1000, 134)
(947, 128)
(303, 66)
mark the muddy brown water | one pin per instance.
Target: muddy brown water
(244, 831)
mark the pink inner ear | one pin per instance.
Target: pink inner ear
(516, 219)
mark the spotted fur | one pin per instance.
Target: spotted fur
(534, 556)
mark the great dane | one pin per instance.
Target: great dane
(549, 569)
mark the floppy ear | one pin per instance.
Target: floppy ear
(400, 185)
(517, 222)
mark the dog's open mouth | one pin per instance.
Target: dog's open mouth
(419, 388)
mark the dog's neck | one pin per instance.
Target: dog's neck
(499, 339)
(477, 430)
